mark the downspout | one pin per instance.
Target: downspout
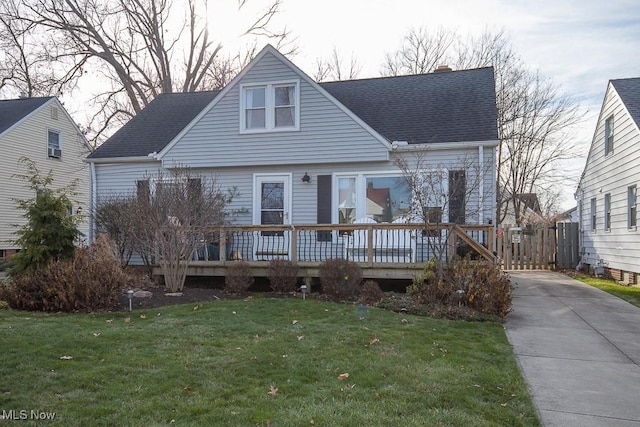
(481, 187)
(92, 199)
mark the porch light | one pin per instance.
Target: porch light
(303, 289)
(130, 296)
(306, 178)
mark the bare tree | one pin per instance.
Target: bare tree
(139, 48)
(172, 215)
(421, 52)
(534, 117)
(335, 68)
(444, 193)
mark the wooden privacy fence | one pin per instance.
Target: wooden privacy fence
(538, 246)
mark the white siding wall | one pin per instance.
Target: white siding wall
(619, 248)
(29, 139)
(327, 134)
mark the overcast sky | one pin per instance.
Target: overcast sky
(579, 44)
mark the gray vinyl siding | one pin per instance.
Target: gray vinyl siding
(327, 134)
(618, 248)
(29, 139)
(121, 178)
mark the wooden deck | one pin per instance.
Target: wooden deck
(384, 251)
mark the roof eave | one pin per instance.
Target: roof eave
(132, 159)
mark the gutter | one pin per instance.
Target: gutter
(399, 147)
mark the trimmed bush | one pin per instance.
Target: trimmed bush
(91, 280)
(340, 279)
(283, 275)
(370, 293)
(239, 278)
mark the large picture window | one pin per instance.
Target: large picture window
(385, 198)
(270, 107)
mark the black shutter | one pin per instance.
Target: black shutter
(324, 206)
(457, 191)
(143, 192)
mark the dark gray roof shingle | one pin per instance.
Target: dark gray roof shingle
(155, 126)
(629, 91)
(451, 106)
(443, 107)
(14, 110)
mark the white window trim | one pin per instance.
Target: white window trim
(609, 133)
(607, 212)
(629, 205)
(257, 197)
(361, 189)
(270, 107)
(59, 140)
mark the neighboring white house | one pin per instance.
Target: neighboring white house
(41, 130)
(326, 151)
(607, 194)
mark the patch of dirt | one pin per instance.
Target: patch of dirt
(195, 290)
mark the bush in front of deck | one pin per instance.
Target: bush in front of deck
(340, 279)
(476, 284)
(283, 275)
(239, 278)
(371, 294)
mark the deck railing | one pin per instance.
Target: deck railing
(371, 244)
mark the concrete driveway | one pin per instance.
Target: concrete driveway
(578, 348)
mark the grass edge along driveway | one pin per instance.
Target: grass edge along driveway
(259, 361)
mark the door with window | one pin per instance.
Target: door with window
(272, 206)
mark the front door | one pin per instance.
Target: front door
(272, 206)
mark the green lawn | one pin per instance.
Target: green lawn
(260, 361)
(630, 294)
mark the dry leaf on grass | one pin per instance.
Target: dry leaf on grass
(301, 337)
(96, 334)
(66, 357)
(343, 376)
(143, 316)
(374, 340)
(273, 391)
(127, 320)
(294, 322)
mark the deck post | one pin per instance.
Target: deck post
(293, 255)
(223, 245)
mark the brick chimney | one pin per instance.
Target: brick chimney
(442, 69)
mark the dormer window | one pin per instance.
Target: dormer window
(608, 136)
(271, 107)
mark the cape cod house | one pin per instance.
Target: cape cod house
(322, 158)
(607, 194)
(41, 130)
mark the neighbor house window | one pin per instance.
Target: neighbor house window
(593, 214)
(607, 212)
(270, 107)
(608, 136)
(53, 144)
(632, 203)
